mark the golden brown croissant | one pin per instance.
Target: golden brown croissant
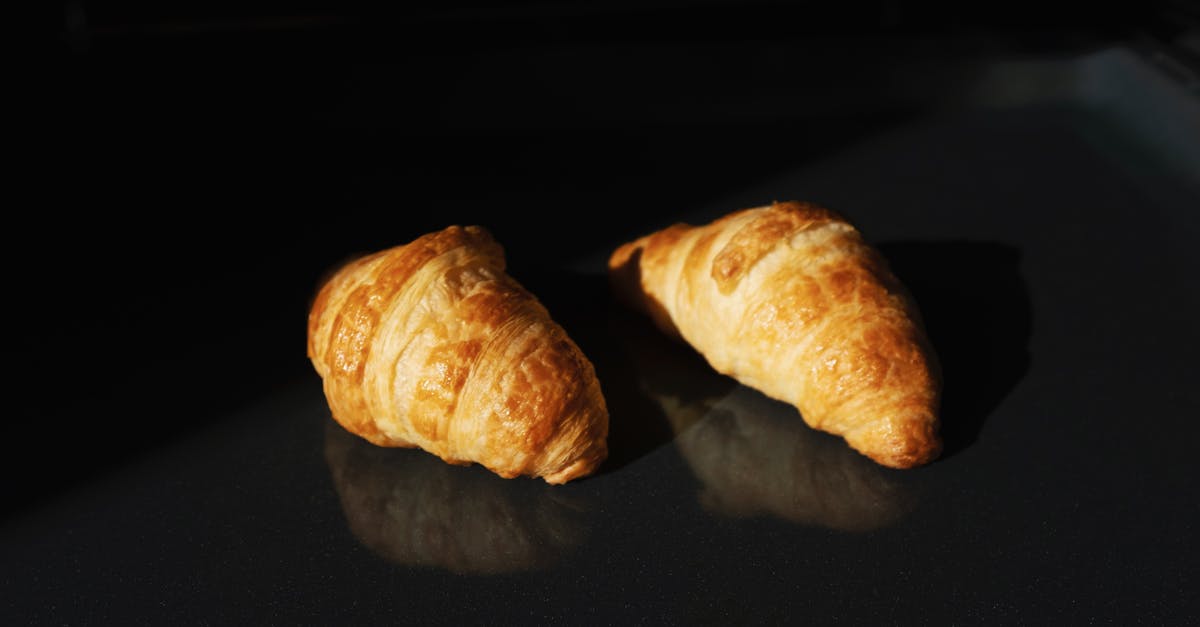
(790, 300)
(432, 345)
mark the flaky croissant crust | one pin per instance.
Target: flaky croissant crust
(790, 300)
(432, 345)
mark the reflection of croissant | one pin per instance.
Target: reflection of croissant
(431, 344)
(414, 510)
(753, 458)
(789, 300)
(749, 452)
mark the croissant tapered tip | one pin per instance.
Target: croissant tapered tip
(579, 468)
(914, 443)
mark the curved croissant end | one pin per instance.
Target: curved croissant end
(790, 300)
(432, 345)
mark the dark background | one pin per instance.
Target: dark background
(198, 166)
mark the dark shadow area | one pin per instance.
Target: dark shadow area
(549, 194)
(583, 304)
(413, 509)
(976, 309)
(391, 27)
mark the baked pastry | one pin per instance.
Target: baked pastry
(432, 345)
(411, 509)
(790, 300)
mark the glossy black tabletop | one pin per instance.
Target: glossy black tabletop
(1042, 209)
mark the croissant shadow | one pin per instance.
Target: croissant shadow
(977, 313)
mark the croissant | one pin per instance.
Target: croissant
(790, 300)
(432, 345)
